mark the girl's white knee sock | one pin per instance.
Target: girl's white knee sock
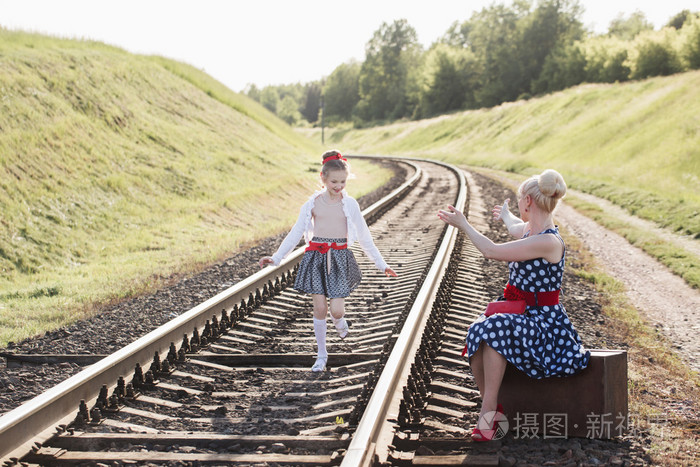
(339, 323)
(320, 328)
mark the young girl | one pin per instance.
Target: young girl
(330, 221)
(542, 342)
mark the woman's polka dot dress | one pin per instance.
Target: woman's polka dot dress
(542, 342)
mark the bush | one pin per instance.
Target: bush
(690, 42)
(563, 68)
(606, 60)
(447, 81)
(655, 56)
(288, 110)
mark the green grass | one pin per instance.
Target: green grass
(636, 144)
(119, 172)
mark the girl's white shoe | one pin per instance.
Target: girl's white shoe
(343, 328)
(320, 365)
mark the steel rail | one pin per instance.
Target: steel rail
(375, 429)
(36, 420)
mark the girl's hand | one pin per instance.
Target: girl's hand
(265, 260)
(453, 217)
(390, 272)
(499, 212)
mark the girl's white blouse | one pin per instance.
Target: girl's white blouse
(357, 230)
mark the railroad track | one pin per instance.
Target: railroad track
(229, 383)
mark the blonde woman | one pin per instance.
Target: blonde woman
(541, 341)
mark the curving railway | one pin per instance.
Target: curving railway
(228, 382)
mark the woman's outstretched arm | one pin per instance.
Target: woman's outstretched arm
(537, 246)
(515, 225)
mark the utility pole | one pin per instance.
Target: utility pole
(323, 114)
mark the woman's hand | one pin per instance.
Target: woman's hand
(453, 217)
(501, 212)
(390, 272)
(265, 260)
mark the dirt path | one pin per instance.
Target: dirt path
(660, 296)
(693, 246)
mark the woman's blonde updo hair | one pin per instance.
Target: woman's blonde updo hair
(336, 163)
(546, 189)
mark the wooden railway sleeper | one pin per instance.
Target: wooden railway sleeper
(211, 330)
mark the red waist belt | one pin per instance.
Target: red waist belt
(531, 298)
(324, 247)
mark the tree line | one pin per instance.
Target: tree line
(501, 54)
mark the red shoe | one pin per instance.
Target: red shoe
(483, 435)
(480, 435)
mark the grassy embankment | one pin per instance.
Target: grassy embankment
(636, 144)
(119, 172)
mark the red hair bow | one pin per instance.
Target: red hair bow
(336, 156)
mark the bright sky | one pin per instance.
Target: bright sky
(270, 41)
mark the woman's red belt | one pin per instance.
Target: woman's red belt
(531, 298)
(324, 247)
